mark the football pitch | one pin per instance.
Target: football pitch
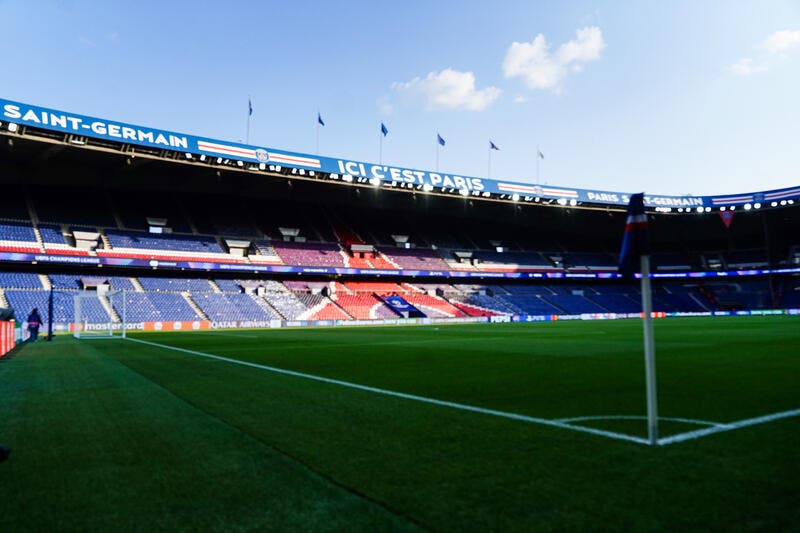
(449, 428)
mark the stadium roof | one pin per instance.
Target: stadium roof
(25, 120)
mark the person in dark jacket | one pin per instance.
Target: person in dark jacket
(34, 322)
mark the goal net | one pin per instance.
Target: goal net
(99, 315)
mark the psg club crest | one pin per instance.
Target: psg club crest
(262, 155)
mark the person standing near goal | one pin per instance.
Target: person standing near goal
(34, 322)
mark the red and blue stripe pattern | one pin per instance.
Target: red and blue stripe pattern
(636, 241)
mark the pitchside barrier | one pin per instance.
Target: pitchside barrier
(85, 329)
(7, 336)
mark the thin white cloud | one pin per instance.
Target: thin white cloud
(782, 41)
(542, 69)
(774, 48)
(448, 89)
(519, 99)
(746, 67)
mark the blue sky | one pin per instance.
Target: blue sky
(681, 97)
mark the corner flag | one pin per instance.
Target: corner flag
(636, 241)
(635, 254)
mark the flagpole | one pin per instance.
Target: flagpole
(249, 106)
(317, 126)
(649, 352)
(489, 169)
(538, 181)
(437, 154)
(380, 148)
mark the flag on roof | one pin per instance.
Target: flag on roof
(636, 240)
(439, 139)
(249, 107)
(384, 129)
(541, 155)
(493, 146)
(319, 119)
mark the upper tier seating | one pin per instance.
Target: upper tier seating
(172, 242)
(17, 232)
(51, 234)
(415, 258)
(523, 259)
(175, 284)
(309, 254)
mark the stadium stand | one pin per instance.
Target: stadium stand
(287, 223)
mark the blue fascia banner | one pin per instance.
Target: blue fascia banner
(205, 266)
(82, 125)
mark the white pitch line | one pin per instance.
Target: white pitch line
(681, 437)
(641, 417)
(414, 397)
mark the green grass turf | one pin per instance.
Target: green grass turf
(114, 434)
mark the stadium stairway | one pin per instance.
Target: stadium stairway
(196, 308)
(263, 304)
(3, 301)
(45, 282)
(109, 308)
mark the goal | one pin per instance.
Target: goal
(99, 315)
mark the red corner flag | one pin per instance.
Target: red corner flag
(636, 241)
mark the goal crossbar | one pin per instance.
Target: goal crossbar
(100, 315)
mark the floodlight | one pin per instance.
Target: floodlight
(515, 197)
(427, 187)
(202, 157)
(12, 127)
(375, 182)
(791, 202)
(747, 207)
(573, 202)
(219, 160)
(561, 201)
(348, 178)
(783, 202)
(239, 164)
(723, 208)
(774, 204)
(188, 155)
(700, 209)
(262, 166)
(708, 209)
(463, 192)
(757, 205)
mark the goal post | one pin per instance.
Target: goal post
(100, 315)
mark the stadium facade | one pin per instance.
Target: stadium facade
(207, 233)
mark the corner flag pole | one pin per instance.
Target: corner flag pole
(649, 352)
(636, 249)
